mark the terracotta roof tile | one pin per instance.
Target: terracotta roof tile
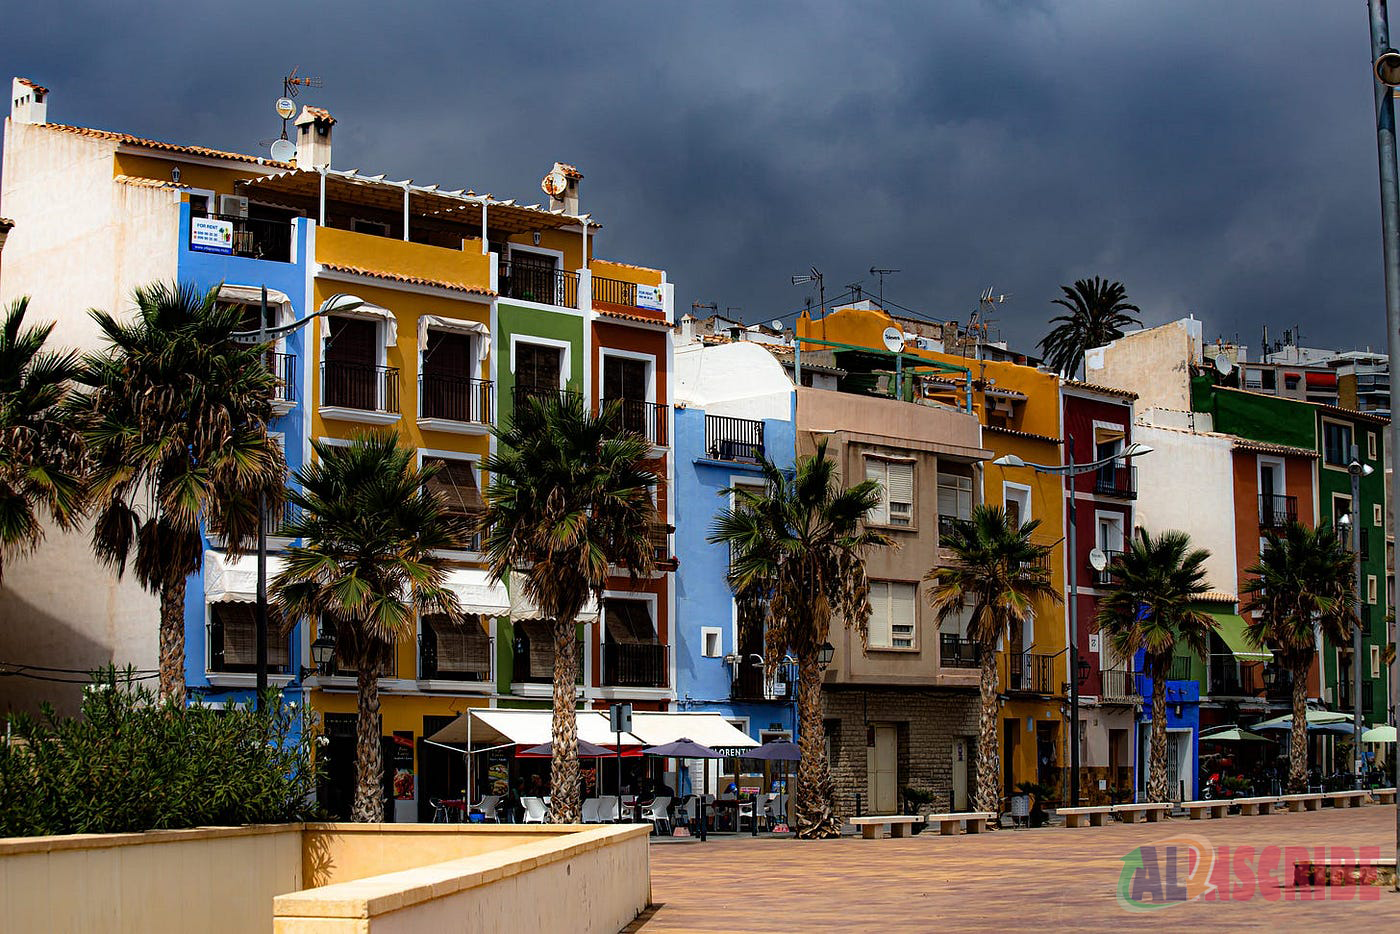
(1017, 433)
(568, 170)
(1094, 387)
(30, 84)
(1216, 596)
(628, 316)
(317, 113)
(1283, 450)
(130, 140)
(408, 280)
(137, 181)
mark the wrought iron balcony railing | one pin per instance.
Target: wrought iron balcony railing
(360, 386)
(648, 419)
(532, 283)
(733, 439)
(955, 651)
(1276, 511)
(634, 664)
(455, 398)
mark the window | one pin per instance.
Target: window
(1370, 445)
(455, 482)
(1377, 514)
(1018, 503)
(377, 228)
(954, 496)
(1110, 534)
(625, 380)
(350, 370)
(711, 641)
(538, 368)
(455, 652)
(1336, 443)
(233, 635)
(1371, 588)
(1375, 661)
(632, 656)
(892, 614)
(896, 479)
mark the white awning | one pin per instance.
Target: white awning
(523, 608)
(251, 295)
(707, 729)
(496, 727)
(235, 579)
(475, 328)
(477, 593)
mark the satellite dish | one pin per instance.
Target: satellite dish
(286, 107)
(283, 150)
(894, 340)
(1223, 366)
(1098, 560)
(555, 183)
(776, 324)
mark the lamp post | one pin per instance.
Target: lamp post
(1352, 520)
(337, 302)
(1070, 470)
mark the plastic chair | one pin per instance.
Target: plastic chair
(534, 810)
(590, 811)
(770, 809)
(659, 813)
(608, 809)
(487, 807)
(440, 815)
(689, 810)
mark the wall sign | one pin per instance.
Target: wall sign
(649, 296)
(403, 765)
(208, 235)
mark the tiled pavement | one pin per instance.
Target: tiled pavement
(1049, 879)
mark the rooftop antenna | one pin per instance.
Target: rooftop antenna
(876, 271)
(291, 85)
(814, 276)
(729, 308)
(855, 290)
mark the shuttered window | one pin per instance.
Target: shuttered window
(954, 496)
(461, 649)
(455, 483)
(234, 638)
(896, 479)
(893, 613)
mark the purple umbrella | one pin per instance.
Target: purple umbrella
(777, 750)
(586, 750)
(684, 748)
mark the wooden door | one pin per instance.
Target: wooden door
(881, 769)
(961, 751)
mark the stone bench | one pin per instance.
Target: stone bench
(1308, 802)
(948, 823)
(1383, 795)
(1154, 811)
(1076, 817)
(1348, 799)
(1253, 806)
(872, 827)
(1199, 810)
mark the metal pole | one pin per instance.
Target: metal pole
(1354, 467)
(1390, 245)
(261, 618)
(1074, 635)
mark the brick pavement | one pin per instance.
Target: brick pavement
(1044, 879)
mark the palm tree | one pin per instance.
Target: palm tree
(40, 445)
(999, 574)
(1098, 312)
(1302, 583)
(371, 532)
(175, 420)
(797, 558)
(570, 496)
(1149, 607)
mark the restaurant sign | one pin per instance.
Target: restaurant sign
(649, 296)
(210, 235)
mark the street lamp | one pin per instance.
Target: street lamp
(322, 651)
(337, 302)
(1352, 519)
(825, 654)
(1069, 470)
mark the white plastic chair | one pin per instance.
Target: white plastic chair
(746, 809)
(590, 811)
(689, 810)
(487, 807)
(608, 809)
(659, 813)
(770, 809)
(534, 810)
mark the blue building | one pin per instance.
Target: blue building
(1183, 712)
(734, 402)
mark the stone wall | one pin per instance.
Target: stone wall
(927, 721)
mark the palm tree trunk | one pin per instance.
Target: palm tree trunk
(564, 803)
(987, 759)
(172, 640)
(369, 751)
(1157, 756)
(815, 800)
(1298, 747)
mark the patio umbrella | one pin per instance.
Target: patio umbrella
(1326, 721)
(586, 750)
(683, 749)
(777, 750)
(1235, 735)
(1379, 734)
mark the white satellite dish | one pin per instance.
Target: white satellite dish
(776, 325)
(283, 150)
(1223, 366)
(286, 107)
(894, 340)
(1097, 559)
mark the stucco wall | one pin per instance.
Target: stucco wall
(739, 380)
(1154, 363)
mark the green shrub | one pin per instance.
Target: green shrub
(132, 762)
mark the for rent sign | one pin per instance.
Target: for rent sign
(208, 235)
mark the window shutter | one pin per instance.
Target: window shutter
(903, 613)
(455, 482)
(879, 635)
(460, 648)
(875, 470)
(900, 493)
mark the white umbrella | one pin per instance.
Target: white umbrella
(1379, 734)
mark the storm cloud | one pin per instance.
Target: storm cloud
(1217, 157)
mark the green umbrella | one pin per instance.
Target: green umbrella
(1379, 734)
(1234, 735)
(1316, 720)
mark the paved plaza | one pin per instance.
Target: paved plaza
(1045, 879)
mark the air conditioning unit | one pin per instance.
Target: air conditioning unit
(233, 205)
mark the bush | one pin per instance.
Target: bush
(133, 762)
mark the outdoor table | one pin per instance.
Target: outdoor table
(728, 804)
(457, 805)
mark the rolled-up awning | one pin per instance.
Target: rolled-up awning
(235, 579)
(523, 608)
(477, 593)
(498, 727)
(708, 729)
(1231, 629)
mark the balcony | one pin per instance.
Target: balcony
(1276, 511)
(751, 684)
(537, 667)
(955, 651)
(946, 524)
(274, 524)
(520, 394)
(659, 534)
(1278, 683)
(455, 400)
(283, 367)
(459, 658)
(634, 665)
(231, 636)
(257, 238)
(1120, 686)
(1104, 578)
(648, 419)
(360, 387)
(738, 440)
(1228, 678)
(1029, 673)
(533, 283)
(1116, 480)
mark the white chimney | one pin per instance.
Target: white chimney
(314, 138)
(568, 200)
(28, 102)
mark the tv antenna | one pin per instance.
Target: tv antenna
(814, 276)
(875, 271)
(855, 290)
(291, 86)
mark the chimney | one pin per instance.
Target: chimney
(568, 200)
(314, 138)
(28, 102)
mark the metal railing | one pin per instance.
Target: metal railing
(431, 662)
(283, 366)
(615, 292)
(1119, 684)
(1029, 672)
(1119, 480)
(278, 655)
(1227, 677)
(634, 664)
(946, 524)
(1276, 511)
(454, 398)
(733, 439)
(1104, 578)
(360, 386)
(274, 521)
(523, 673)
(955, 651)
(532, 283)
(259, 238)
(648, 419)
(1278, 683)
(520, 394)
(749, 683)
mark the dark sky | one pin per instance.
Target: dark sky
(1218, 157)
